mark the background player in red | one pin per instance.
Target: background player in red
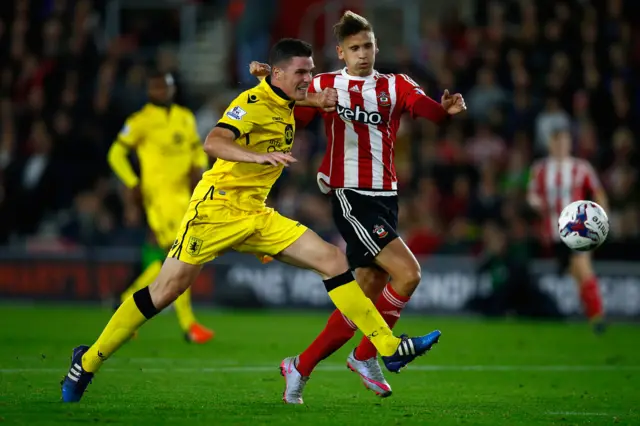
(556, 181)
(358, 172)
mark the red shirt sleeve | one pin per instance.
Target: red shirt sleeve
(304, 115)
(591, 181)
(416, 102)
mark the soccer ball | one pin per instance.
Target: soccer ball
(583, 225)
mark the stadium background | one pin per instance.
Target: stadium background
(73, 70)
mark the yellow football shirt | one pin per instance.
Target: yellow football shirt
(168, 146)
(262, 120)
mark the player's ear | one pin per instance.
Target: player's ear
(377, 49)
(340, 52)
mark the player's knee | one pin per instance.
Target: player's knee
(334, 262)
(165, 291)
(580, 267)
(407, 279)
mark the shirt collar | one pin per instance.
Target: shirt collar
(369, 77)
(161, 107)
(280, 97)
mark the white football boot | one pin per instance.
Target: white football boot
(370, 374)
(294, 382)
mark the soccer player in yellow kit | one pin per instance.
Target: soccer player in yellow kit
(166, 141)
(252, 144)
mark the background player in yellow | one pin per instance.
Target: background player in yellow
(171, 158)
(252, 144)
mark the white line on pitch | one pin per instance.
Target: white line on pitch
(337, 367)
(576, 413)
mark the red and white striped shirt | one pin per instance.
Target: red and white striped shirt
(559, 182)
(361, 133)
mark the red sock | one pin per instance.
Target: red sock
(338, 331)
(389, 304)
(591, 299)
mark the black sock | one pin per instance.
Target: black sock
(144, 303)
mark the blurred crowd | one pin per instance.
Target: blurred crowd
(523, 67)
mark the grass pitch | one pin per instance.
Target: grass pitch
(483, 372)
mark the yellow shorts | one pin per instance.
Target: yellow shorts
(164, 216)
(213, 225)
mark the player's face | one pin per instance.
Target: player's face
(294, 77)
(359, 53)
(161, 90)
(561, 145)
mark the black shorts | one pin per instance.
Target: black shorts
(563, 256)
(367, 223)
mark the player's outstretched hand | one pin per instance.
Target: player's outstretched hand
(259, 70)
(276, 158)
(328, 99)
(453, 104)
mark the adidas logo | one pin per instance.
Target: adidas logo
(406, 348)
(392, 313)
(75, 372)
(355, 89)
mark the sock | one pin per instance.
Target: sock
(349, 298)
(338, 331)
(389, 304)
(184, 310)
(144, 280)
(591, 299)
(134, 312)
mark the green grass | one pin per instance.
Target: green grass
(482, 373)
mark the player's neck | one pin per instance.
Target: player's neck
(277, 89)
(359, 75)
(166, 105)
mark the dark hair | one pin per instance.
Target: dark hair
(160, 75)
(350, 24)
(288, 48)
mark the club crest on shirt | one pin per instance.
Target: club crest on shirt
(380, 231)
(288, 134)
(384, 100)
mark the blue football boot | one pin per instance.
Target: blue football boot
(76, 381)
(409, 349)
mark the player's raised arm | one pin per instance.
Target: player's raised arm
(118, 156)
(419, 104)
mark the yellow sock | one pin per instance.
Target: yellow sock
(144, 280)
(352, 302)
(184, 310)
(120, 328)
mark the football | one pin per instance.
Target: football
(583, 225)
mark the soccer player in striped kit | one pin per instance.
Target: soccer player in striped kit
(358, 173)
(556, 181)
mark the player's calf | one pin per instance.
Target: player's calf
(588, 288)
(402, 265)
(174, 279)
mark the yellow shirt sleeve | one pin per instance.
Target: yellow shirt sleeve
(132, 132)
(118, 158)
(240, 116)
